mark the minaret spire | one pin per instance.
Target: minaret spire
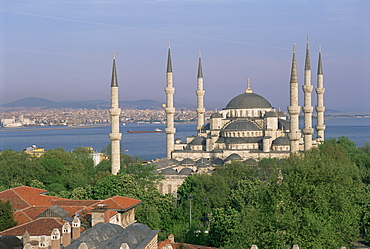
(200, 94)
(169, 108)
(114, 112)
(293, 108)
(320, 108)
(307, 108)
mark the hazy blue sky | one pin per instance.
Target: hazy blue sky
(62, 49)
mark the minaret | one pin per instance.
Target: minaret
(200, 93)
(307, 108)
(114, 112)
(294, 109)
(320, 108)
(169, 108)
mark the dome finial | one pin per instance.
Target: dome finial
(114, 54)
(249, 90)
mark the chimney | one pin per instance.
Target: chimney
(76, 225)
(83, 246)
(43, 243)
(171, 237)
(26, 238)
(55, 239)
(66, 234)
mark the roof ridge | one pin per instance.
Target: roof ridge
(21, 197)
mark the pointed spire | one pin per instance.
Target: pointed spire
(114, 82)
(319, 69)
(307, 63)
(169, 63)
(249, 90)
(293, 76)
(200, 71)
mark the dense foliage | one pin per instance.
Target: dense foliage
(6, 216)
(319, 199)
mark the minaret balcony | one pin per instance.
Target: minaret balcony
(200, 92)
(294, 136)
(320, 127)
(201, 110)
(114, 111)
(170, 130)
(170, 110)
(320, 90)
(307, 131)
(169, 90)
(294, 110)
(320, 108)
(115, 136)
(307, 109)
(307, 88)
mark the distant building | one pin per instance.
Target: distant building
(34, 151)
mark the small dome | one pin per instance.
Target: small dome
(11, 241)
(281, 141)
(281, 114)
(242, 125)
(173, 162)
(202, 165)
(271, 114)
(169, 171)
(251, 162)
(216, 115)
(187, 161)
(203, 160)
(248, 101)
(218, 161)
(233, 156)
(185, 172)
(198, 141)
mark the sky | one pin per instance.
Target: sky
(62, 50)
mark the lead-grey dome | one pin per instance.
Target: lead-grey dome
(281, 141)
(169, 171)
(248, 101)
(186, 171)
(242, 125)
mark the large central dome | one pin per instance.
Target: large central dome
(248, 101)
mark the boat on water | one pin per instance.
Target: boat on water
(154, 131)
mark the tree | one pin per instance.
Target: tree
(312, 199)
(18, 169)
(6, 216)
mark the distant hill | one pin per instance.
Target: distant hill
(89, 104)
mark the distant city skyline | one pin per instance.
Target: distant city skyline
(63, 50)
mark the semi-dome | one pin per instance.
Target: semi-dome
(281, 141)
(233, 156)
(248, 101)
(242, 125)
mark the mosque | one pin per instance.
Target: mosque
(248, 129)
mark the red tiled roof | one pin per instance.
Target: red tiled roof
(40, 226)
(23, 196)
(120, 202)
(162, 244)
(30, 202)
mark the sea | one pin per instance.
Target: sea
(146, 146)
